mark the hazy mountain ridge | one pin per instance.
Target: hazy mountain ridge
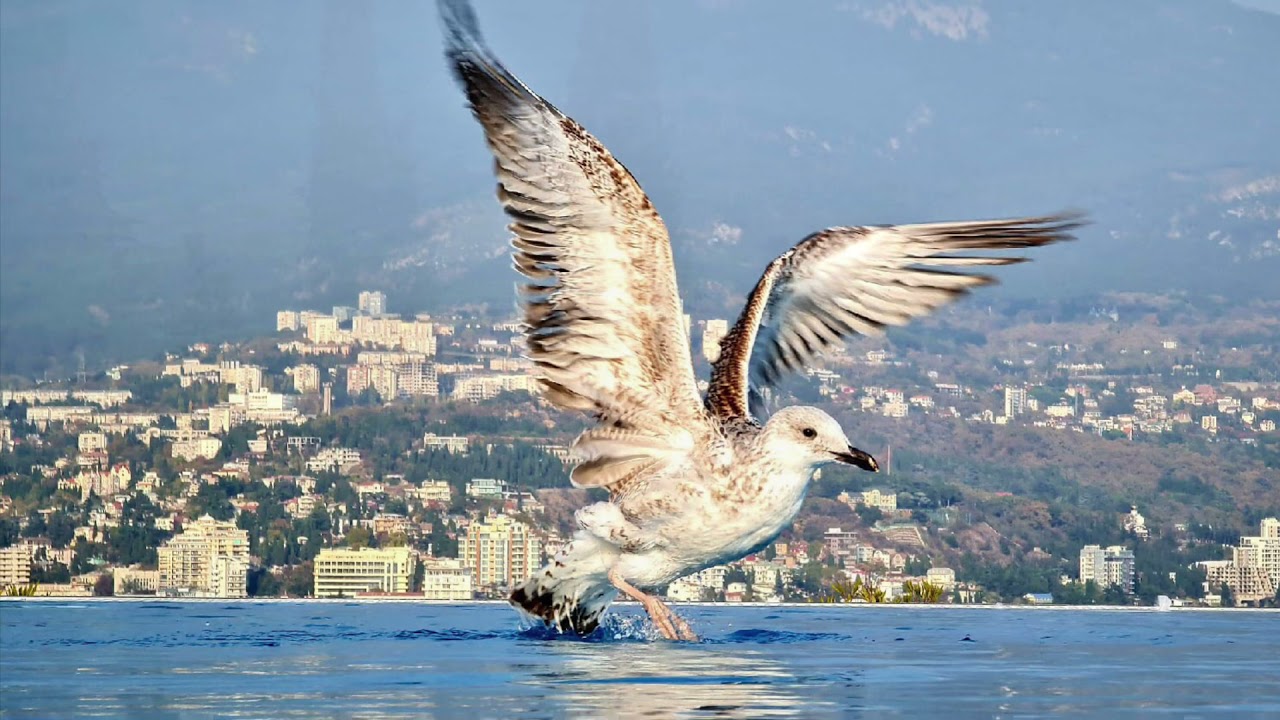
(177, 171)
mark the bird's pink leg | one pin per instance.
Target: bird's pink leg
(672, 626)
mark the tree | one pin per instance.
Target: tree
(299, 580)
(419, 572)
(262, 583)
(358, 537)
(36, 525)
(870, 514)
(62, 529)
(9, 531)
(917, 565)
(53, 573)
(104, 586)
(1228, 597)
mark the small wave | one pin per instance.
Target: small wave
(767, 637)
(447, 635)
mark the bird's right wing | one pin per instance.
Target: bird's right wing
(605, 327)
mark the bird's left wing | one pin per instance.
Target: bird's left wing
(848, 281)
(604, 324)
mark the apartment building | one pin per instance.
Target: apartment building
(446, 579)
(345, 572)
(209, 558)
(500, 551)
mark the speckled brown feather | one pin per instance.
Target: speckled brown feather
(847, 281)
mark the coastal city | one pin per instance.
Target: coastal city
(361, 453)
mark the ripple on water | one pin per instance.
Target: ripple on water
(769, 637)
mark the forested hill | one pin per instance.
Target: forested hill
(178, 170)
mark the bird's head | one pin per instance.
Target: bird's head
(815, 438)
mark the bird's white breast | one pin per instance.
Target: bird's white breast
(721, 520)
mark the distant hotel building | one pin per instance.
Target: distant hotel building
(432, 492)
(500, 551)
(446, 579)
(452, 443)
(15, 565)
(884, 501)
(489, 488)
(372, 302)
(306, 378)
(343, 572)
(210, 558)
(334, 459)
(105, 398)
(475, 388)
(1112, 566)
(288, 321)
(712, 333)
(1015, 401)
(1253, 572)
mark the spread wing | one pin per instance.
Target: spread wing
(604, 323)
(849, 281)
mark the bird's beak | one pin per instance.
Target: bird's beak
(857, 458)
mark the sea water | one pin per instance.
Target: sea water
(311, 659)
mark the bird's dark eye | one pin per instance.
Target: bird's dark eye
(809, 433)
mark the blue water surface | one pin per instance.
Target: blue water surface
(398, 660)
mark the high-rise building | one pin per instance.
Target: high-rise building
(500, 551)
(1253, 573)
(15, 565)
(373, 302)
(323, 330)
(1106, 567)
(208, 558)
(306, 378)
(712, 333)
(344, 313)
(346, 572)
(288, 321)
(1015, 401)
(1092, 564)
(1119, 564)
(418, 380)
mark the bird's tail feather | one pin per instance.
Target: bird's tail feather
(571, 592)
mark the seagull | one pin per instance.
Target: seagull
(692, 482)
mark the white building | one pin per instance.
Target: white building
(476, 388)
(343, 572)
(15, 565)
(373, 302)
(500, 551)
(196, 448)
(335, 459)
(288, 321)
(209, 558)
(446, 579)
(712, 333)
(488, 488)
(451, 443)
(1015, 401)
(323, 330)
(1112, 566)
(306, 378)
(942, 577)
(432, 491)
(92, 442)
(1253, 573)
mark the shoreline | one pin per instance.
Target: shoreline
(424, 601)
